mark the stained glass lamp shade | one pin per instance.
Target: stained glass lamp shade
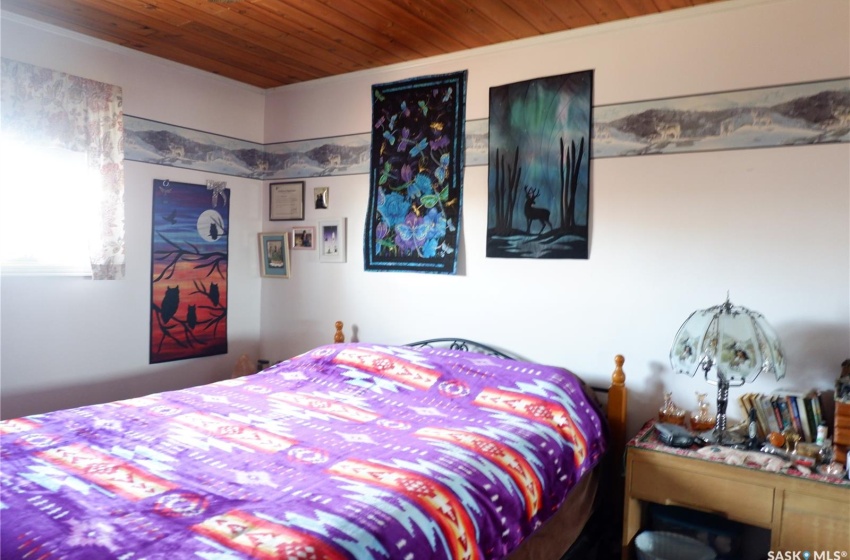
(732, 345)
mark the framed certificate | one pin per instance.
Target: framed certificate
(286, 201)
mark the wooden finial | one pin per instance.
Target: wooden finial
(339, 336)
(618, 377)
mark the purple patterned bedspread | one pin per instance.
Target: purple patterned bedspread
(351, 451)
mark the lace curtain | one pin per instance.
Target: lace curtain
(59, 110)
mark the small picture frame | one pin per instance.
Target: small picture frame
(274, 255)
(304, 238)
(321, 197)
(332, 240)
(286, 201)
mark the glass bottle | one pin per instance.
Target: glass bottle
(822, 432)
(752, 430)
(669, 412)
(825, 455)
(701, 419)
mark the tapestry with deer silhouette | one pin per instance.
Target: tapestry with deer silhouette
(188, 271)
(539, 168)
(416, 174)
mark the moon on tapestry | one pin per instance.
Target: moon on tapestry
(416, 175)
(210, 225)
(539, 168)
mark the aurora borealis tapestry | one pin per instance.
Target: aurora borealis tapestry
(416, 175)
(539, 168)
(188, 271)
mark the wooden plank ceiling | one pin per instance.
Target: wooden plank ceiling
(270, 43)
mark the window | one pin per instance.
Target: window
(62, 174)
(47, 210)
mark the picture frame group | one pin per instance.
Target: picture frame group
(274, 255)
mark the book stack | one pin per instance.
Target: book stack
(784, 410)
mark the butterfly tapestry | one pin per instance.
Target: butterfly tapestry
(416, 174)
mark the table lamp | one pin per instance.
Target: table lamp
(732, 345)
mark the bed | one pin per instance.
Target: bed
(348, 451)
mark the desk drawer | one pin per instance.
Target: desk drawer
(816, 522)
(732, 499)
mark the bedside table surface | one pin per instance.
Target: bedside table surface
(647, 438)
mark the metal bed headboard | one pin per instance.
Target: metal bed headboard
(461, 344)
(466, 345)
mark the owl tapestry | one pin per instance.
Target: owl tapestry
(539, 168)
(416, 175)
(188, 271)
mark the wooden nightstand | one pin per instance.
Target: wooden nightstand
(803, 513)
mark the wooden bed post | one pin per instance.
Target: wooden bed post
(617, 409)
(613, 497)
(339, 336)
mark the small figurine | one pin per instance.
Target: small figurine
(791, 439)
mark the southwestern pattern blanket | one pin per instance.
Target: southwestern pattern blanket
(350, 451)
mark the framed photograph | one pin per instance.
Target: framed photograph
(286, 201)
(274, 255)
(304, 238)
(332, 240)
(320, 195)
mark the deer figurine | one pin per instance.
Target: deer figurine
(533, 213)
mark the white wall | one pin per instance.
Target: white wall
(670, 233)
(71, 341)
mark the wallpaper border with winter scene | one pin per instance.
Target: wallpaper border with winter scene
(785, 115)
